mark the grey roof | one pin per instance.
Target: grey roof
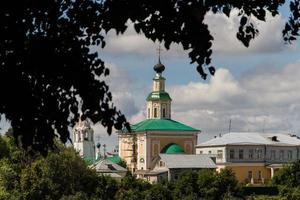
(191, 161)
(156, 172)
(252, 138)
(106, 166)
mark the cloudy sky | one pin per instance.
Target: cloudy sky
(257, 88)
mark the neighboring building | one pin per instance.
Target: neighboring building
(83, 137)
(254, 157)
(153, 135)
(169, 166)
(109, 168)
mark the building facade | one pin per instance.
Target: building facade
(254, 157)
(157, 132)
(170, 166)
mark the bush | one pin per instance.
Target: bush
(273, 190)
(207, 184)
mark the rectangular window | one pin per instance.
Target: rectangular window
(250, 154)
(281, 155)
(249, 175)
(259, 153)
(220, 154)
(164, 112)
(201, 152)
(290, 155)
(241, 154)
(231, 153)
(273, 154)
(259, 175)
(155, 112)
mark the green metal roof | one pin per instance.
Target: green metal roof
(158, 95)
(172, 149)
(160, 125)
(89, 160)
(114, 159)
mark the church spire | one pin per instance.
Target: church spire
(159, 68)
(159, 101)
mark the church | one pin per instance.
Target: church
(158, 133)
(157, 148)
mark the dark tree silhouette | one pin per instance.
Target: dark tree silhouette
(48, 74)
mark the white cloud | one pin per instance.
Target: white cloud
(137, 44)
(224, 31)
(257, 102)
(222, 28)
(138, 116)
(120, 84)
(102, 137)
(221, 86)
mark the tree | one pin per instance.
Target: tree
(61, 175)
(289, 175)
(106, 188)
(186, 186)
(207, 184)
(9, 180)
(131, 188)
(123, 163)
(288, 180)
(158, 192)
(4, 151)
(227, 185)
(49, 76)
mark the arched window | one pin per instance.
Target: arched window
(164, 112)
(155, 150)
(148, 112)
(155, 112)
(79, 136)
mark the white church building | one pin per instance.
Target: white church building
(83, 139)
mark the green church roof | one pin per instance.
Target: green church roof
(89, 160)
(160, 125)
(114, 159)
(172, 149)
(158, 95)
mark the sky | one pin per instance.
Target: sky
(257, 88)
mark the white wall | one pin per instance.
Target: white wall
(264, 150)
(214, 151)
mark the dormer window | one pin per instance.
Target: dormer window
(161, 163)
(273, 138)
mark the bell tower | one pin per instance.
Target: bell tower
(159, 101)
(83, 137)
